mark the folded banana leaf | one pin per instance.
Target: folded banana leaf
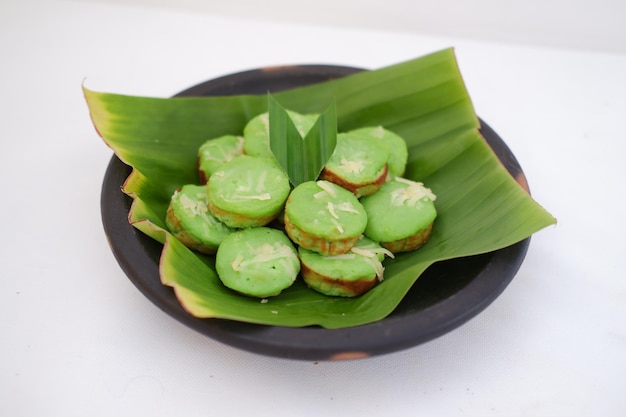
(481, 208)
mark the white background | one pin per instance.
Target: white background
(597, 25)
(78, 339)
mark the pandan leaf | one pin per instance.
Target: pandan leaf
(481, 208)
(301, 158)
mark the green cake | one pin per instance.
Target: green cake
(346, 275)
(259, 262)
(359, 163)
(398, 152)
(215, 152)
(400, 215)
(324, 217)
(189, 220)
(248, 191)
(256, 133)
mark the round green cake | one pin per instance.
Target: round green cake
(248, 191)
(259, 262)
(256, 133)
(188, 218)
(346, 275)
(400, 215)
(359, 164)
(215, 152)
(324, 217)
(398, 152)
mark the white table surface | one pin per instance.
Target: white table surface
(78, 339)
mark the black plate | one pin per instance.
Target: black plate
(447, 295)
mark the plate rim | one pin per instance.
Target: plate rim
(390, 334)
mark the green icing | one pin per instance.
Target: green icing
(358, 158)
(317, 212)
(215, 152)
(399, 209)
(398, 152)
(250, 186)
(192, 220)
(259, 262)
(349, 266)
(257, 132)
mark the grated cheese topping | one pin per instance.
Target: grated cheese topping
(260, 186)
(250, 185)
(208, 156)
(379, 132)
(378, 267)
(353, 167)
(326, 186)
(338, 225)
(331, 209)
(347, 207)
(370, 254)
(193, 207)
(236, 263)
(227, 154)
(265, 120)
(412, 194)
(266, 253)
(372, 251)
(240, 142)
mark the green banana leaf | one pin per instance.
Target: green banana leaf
(481, 208)
(302, 158)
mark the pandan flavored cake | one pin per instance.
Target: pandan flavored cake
(398, 152)
(256, 133)
(324, 217)
(188, 218)
(215, 152)
(400, 215)
(346, 275)
(359, 164)
(248, 191)
(259, 262)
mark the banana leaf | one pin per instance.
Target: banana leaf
(302, 158)
(481, 208)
